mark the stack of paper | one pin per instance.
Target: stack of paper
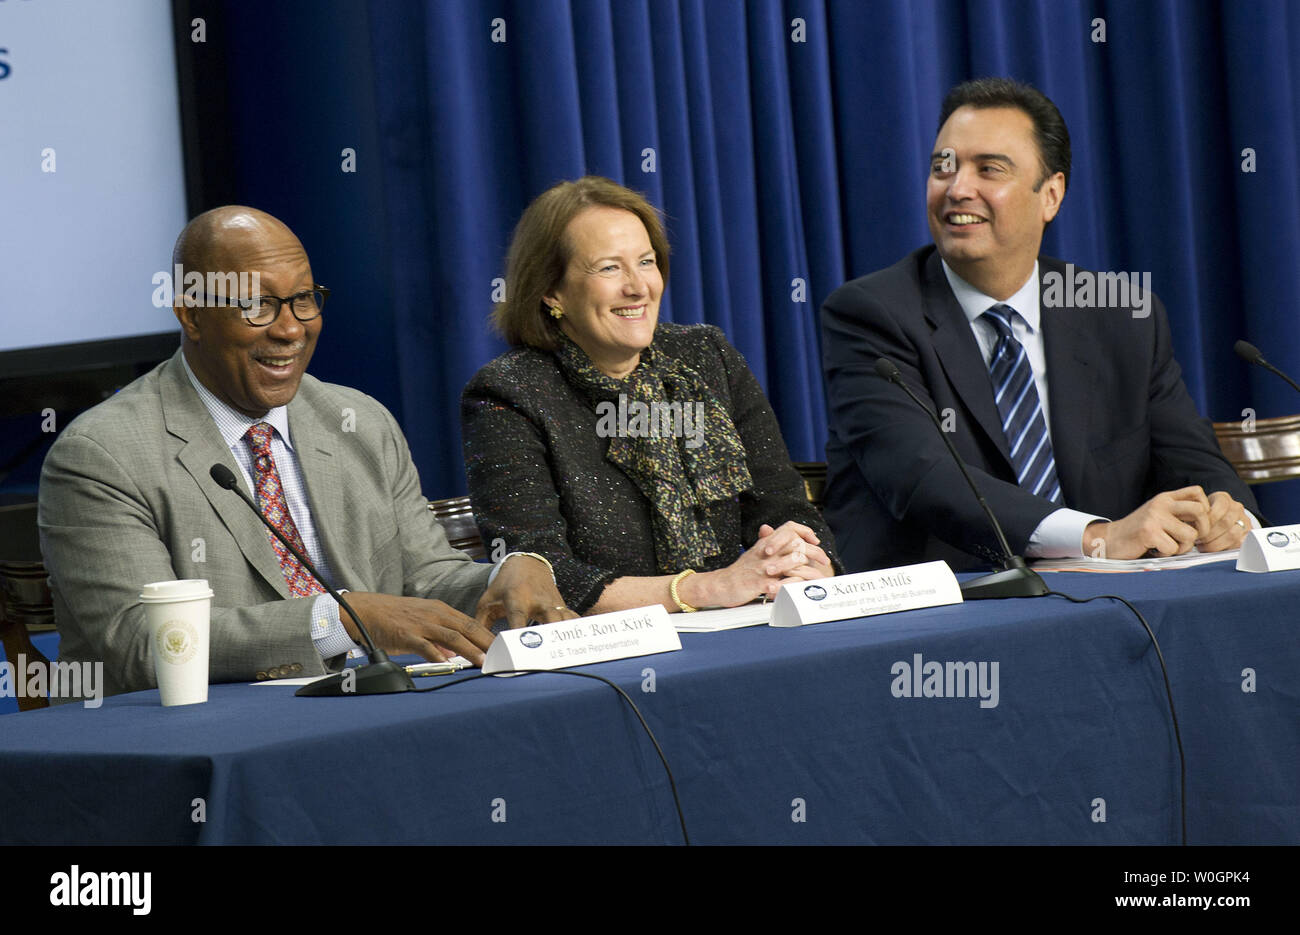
(728, 618)
(1186, 560)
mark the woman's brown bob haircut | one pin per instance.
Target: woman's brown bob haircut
(540, 252)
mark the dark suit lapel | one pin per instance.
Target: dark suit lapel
(186, 418)
(959, 353)
(1069, 349)
(315, 430)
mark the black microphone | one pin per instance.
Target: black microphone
(381, 676)
(1017, 579)
(1251, 355)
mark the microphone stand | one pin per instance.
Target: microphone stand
(1016, 578)
(381, 676)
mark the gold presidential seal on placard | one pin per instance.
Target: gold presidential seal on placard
(177, 642)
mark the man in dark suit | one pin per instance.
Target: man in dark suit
(1065, 402)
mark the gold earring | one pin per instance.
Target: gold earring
(557, 312)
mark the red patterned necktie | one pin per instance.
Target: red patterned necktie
(270, 500)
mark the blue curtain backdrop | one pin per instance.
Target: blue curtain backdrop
(787, 144)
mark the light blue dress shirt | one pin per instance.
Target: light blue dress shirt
(328, 634)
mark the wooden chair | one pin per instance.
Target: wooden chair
(1269, 452)
(26, 606)
(456, 516)
(814, 480)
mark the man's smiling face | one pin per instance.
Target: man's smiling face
(987, 201)
(253, 369)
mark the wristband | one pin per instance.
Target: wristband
(542, 559)
(496, 566)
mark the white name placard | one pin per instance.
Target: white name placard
(1276, 548)
(865, 594)
(620, 635)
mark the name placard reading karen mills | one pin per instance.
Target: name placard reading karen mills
(620, 635)
(865, 594)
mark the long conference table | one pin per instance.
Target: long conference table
(773, 736)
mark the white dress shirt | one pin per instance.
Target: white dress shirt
(1060, 534)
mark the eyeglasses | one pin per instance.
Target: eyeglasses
(261, 310)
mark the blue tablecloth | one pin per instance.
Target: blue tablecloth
(775, 736)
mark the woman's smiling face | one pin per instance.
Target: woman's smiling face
(611, 289)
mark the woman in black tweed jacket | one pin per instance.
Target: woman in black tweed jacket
(640, 458)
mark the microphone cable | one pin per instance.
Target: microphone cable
(672, 783)
(1164, 672)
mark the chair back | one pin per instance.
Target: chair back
(814, 481)
(1264, 450)
(456, 516)
(26, 606)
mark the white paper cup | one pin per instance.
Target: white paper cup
(177, 615)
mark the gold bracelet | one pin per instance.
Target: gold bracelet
(672, 589)
(540, 558)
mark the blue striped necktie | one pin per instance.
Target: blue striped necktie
(1022, 414)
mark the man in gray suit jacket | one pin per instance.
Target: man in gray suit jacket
(126, 497)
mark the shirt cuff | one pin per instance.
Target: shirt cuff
(1060, 534)
(328, 634)
(496, 566)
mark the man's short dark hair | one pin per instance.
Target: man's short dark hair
(1049, 128)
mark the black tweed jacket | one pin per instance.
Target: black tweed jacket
(539, 480)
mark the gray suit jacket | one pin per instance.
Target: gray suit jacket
(126, 499)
